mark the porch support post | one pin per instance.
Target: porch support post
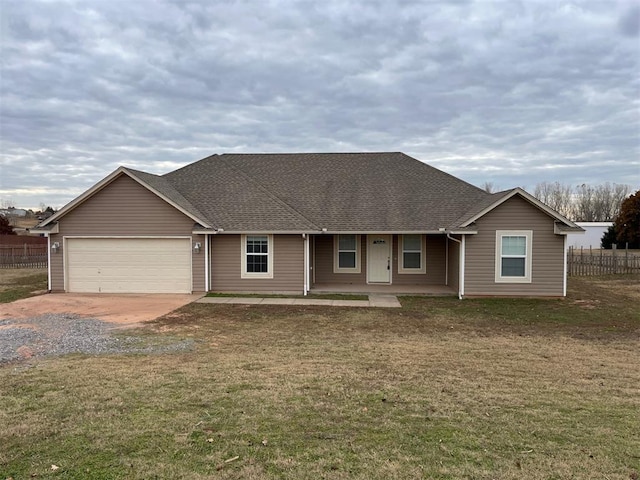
(207, 261)
(305, 239)
(462, 257)
(460, 263)
(207, 239)
(446, 261)
(564, 279)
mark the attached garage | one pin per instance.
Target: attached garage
(128, 265)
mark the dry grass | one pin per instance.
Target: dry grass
(619, 285)
(8, 276)
(16, 283)
(438, 389)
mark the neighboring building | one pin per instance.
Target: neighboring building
(11, 211)
(592, 236)
(299, 222)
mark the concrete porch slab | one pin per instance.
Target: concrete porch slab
(384, 301)
(377, 301)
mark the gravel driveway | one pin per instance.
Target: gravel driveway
(63, 333)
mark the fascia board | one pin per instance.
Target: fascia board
(53, 230)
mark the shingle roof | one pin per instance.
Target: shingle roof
(478, 207)
(367, 192)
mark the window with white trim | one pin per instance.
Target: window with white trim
(513, 256)
(347, 254)
(411, 250)
(257, 256)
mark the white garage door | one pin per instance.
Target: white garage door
(128, 265)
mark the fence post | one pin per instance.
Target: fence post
(601, 265)
(571, 261)
(581, 260)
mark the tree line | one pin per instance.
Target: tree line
(601, 203)
(583, 203)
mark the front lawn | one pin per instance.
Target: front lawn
(440, 388)
(16, 283)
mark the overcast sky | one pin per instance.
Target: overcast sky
(513, 93)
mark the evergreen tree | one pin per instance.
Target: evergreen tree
(5, 227)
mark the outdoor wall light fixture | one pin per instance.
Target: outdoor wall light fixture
(196, 247)
(55, 247)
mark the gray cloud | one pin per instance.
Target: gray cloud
(509, 92)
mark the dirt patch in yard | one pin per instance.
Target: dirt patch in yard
(130, 309)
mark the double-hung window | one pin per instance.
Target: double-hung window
(513, 256)
(347, 254)
(257, 256)
(411, 254)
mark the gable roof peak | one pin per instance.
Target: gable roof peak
(499, 198)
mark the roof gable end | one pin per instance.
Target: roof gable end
(134, 175)
(508, 194)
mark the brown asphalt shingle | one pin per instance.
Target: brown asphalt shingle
(366, 192)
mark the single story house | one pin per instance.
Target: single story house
(294, 223)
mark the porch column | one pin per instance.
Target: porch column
(564, 279)
(207, 241)
(462, 257)
(305, 239)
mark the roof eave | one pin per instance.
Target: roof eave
(52, 228)
(456, 231)
(562, 229)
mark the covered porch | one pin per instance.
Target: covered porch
(388, 263)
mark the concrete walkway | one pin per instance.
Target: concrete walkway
(384, 301)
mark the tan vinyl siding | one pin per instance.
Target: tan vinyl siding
(198, 263)
(288, 266)
(547, 254)
(123, 208)
(454, 264)
(435, 255)
(325, 260)
(57, 266)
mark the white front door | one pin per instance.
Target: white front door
(379, 258)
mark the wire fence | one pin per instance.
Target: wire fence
(582, 262)
(23, 256)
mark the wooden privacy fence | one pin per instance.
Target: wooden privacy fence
(601, 262)
(23, 256)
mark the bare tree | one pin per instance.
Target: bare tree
(619, 194)
(600, 203)
(585, 203)
(557, 196)
(489, 187)
(6, 203)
